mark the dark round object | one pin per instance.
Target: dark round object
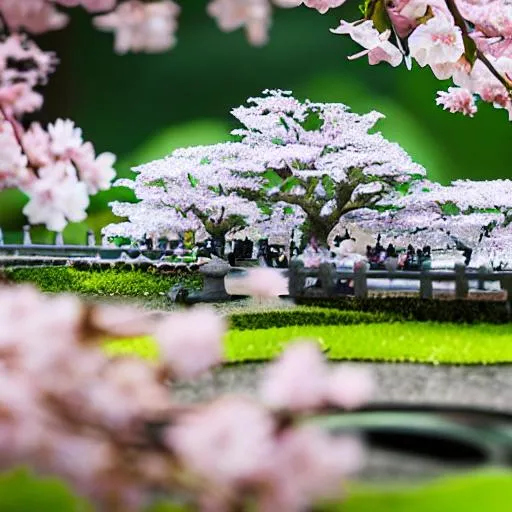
(133, 253)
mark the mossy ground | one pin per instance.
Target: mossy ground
(418, 342)
(482, 491)
(107, 282)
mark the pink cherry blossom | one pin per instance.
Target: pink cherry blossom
(123, 321)
(35, 16)
(322, 6)
(221, 202)
(378, 47)
(109, 427)
(310, 464)
(228, 443)
(90, 5)
(285, 385)
(264, 282)
(12, 161)
(457, 99)
(57, 198)
(435, 42)
(348, 387)
(36, 143)
(253, 15)
(97, 172)
(65, 137)
(191, 341)
(141, 27)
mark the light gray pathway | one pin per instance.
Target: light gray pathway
(487, 386)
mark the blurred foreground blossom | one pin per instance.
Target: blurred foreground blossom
(285, 387)
(142, 27)
(264, 282)
(191, 341)
(111, 428)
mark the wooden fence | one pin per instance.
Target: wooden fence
(329, 278)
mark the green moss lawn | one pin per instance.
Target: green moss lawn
(107, 282)
(418, 342)
(483, 491)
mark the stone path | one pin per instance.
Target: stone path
(486, 386)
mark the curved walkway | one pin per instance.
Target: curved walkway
(485, 386)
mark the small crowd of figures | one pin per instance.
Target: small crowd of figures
(273, 255)
(381, 258)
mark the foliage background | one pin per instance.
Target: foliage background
(142, 106)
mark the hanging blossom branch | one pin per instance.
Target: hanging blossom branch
(113, 428)
(53, 166)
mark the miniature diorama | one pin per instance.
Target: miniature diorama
(264, 302)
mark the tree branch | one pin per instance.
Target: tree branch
(462, 24)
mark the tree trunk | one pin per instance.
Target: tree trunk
(316, 228)
(219, 244)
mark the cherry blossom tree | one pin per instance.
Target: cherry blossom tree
(314, 162)
(464, 214)
(190, 190)
(319, 158)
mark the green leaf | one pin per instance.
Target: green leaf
(385, 208)
(312, 122)
(403, 188)
(193, 180)
(278, 141)
(273, 179)
(119, 241)
(427, 16)
(288, 210)
(329, 186)
(289, 184)
(205, 161)
(425, 189)
(470, 49)
(265, 209)
(375, 10)
(450, 208)
(160, 183)
(282, 120)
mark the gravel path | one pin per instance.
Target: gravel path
(488, 386)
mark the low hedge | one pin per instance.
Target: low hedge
(112, 281)
(412, 308)
(304, 316)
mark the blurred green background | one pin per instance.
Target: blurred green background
(142, 106)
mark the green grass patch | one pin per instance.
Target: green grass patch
(416, 342)
(423, 310)
(304, 315)
(112, 282)
(489, 491)
(478, 491)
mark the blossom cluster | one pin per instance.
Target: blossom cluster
(293, 163)
(113, 429)
(467, 41)
(53, 166)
